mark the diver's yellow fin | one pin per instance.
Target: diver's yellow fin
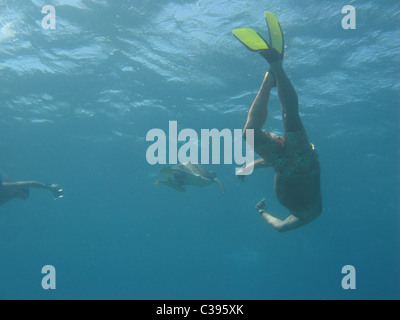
(273, 50)
(251, 39)
(275, 32)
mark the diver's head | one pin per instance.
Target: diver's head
(22, 193)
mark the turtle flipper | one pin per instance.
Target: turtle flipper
(220, 185)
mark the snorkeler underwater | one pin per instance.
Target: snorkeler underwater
(199, 151)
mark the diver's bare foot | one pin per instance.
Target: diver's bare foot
(261, 207)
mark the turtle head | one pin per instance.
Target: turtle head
(172, 183)
(167, 171)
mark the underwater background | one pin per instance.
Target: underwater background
(78, 101)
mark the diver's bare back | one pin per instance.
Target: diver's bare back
(297, 183)
(300, 194)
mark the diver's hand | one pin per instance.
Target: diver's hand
(261, 207)
(57, 191)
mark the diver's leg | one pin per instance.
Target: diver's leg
(259, 109)
(288, 98)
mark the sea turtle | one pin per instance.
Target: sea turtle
(189, 174)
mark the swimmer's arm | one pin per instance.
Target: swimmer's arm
(28, 184)
(55, 189)
(256, 164)
(289, 224)
(259, 163)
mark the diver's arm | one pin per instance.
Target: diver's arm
(289, 224)
(256, 164)
(53, 188)
(259, 163)
(28, 184)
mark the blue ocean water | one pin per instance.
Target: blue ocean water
(78, 101)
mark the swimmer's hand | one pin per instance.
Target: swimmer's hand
(57, 191)
(261, 207)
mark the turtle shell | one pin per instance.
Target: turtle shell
(194, 174)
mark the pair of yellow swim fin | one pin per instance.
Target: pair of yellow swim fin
(252, 40)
